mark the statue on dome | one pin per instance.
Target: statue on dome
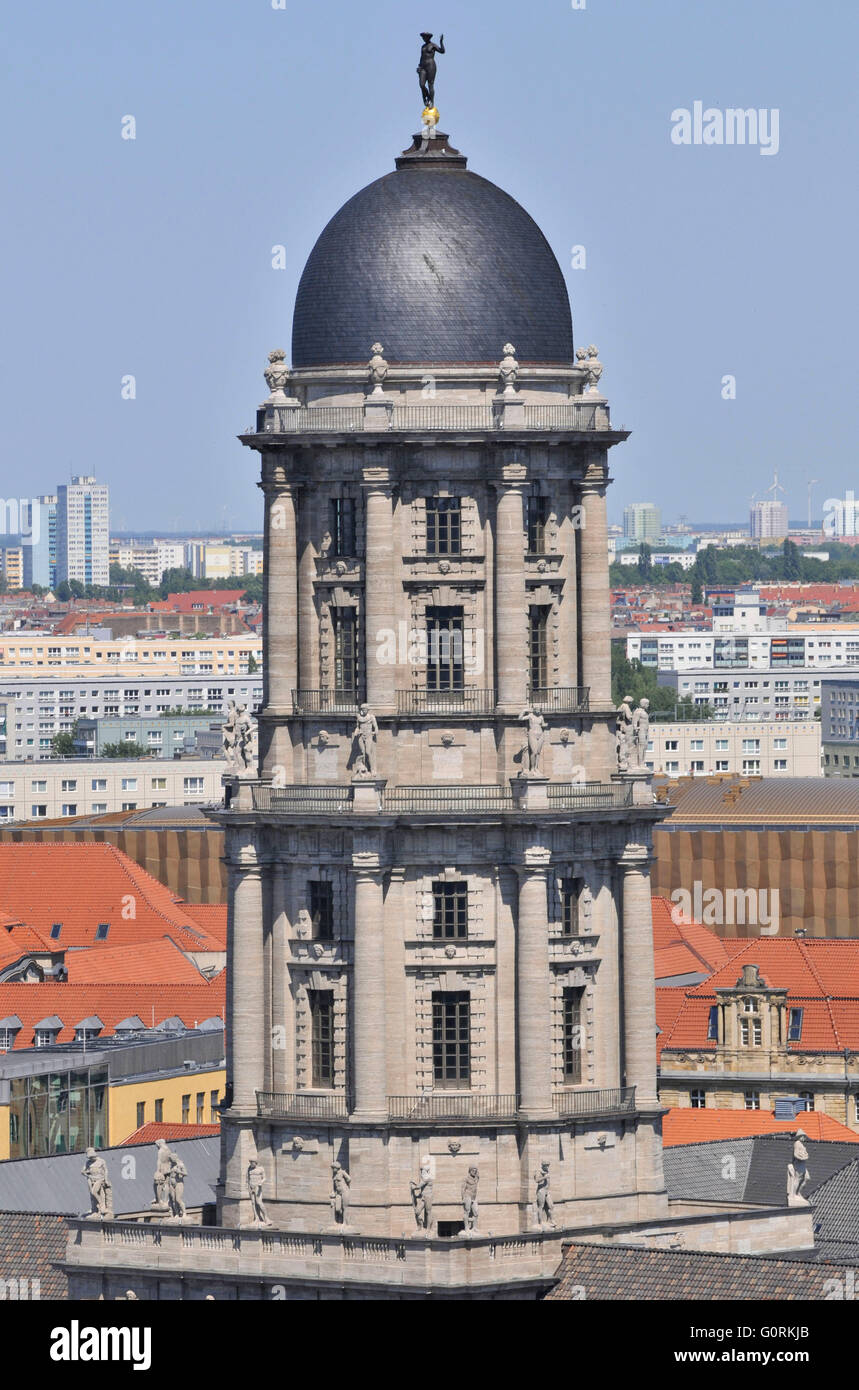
(426, 67)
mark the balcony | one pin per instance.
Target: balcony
(575, 1104)
(589, 796)
(447, 1105)
(301, 1105)
(566, 416)
(475, 799)
(324, 701)
(302, 800)
(446, 702)
(569, 699)
(446, 800)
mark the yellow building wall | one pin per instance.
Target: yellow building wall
(124, 1098)
(4, 1132)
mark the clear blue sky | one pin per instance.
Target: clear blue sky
(152, 257)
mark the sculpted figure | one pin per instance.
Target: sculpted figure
(508, 370)
(536, 733)
(100, 1190)
(545, 1205)
(422, 1196)
(366, 731)
(426, 67)
(340, 1184)
(229, 734)
(797, 1173)
(244, 738)
(639, 728)
(377, 369)
(623, 735)
(593, 367)
(470, 1208)
(256, 1182)
(169, 1181)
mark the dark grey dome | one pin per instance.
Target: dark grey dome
(440, 266)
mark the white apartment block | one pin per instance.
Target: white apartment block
(69, 787)
(206, 560)
(768, 520)
(772, 750)
(35, 708)
(822, 646)
(83, 531)
(149, 560)
(684, 558)
(23, 652)
(773, 694)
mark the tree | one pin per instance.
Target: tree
(645, 560)
(124, 750)
(697, 591)
(63, 745)
(253, 664)
(791, 561)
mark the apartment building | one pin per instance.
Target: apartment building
(83, 531)
(770, 693)
(24, 652)
(839, 715)
(68, 787)
(772, 749)
(824, 646)
(149, 560)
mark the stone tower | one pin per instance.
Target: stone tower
(440, 943)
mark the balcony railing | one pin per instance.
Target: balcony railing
(324, 701)
(616, 1101)
(297, 1105)
(305, 799)
(445, 1105)
(467, 701)
(589, 796)
(564, 699)
(446, 800)
(347, 419)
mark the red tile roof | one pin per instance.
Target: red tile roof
(197, 600)
(211, 916)
(149, 962)
(20, 941)
(84, 885)
(72, 1003)
(155, 1129)
(681, 1126)
(684, 947)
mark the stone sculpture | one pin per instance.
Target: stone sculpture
(427, 68)
(422, 1196)
(377, 369)
(100, 1190)
(277, 374)
(797, 1173)
(639, 732)
(256, 1183)
(533, 749)
(169, 1182)
(508, 370)
(545, 1205)
(238, 738)
(340, 1184)
(365, 732)
(470, 1208)
(623, 735)
(593, 367)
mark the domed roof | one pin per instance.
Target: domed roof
(438, 265)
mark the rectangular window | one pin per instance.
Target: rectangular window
(321, 1037)
(186, 1110)
(698, 1099)
(345, 651)
(572, 1036)
(538, 515)
(538, 662)
(214, 1113)
(129, 784)
(752, 1100)
(192, 785)
(201, 1106)
(444, 526)
(713, 1024)
(159, 1112)
(445, 667)
(451, 1048)
(794, 1025)
(341, 524)
(321, 895)
(570, 889)
(141, 1113)
(450, 910)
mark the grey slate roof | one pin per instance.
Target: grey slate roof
(440, 266)
(758, 1173)
(57, 1185)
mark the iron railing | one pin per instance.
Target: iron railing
(446, 800)
(444, 1105)
(571, 415)
(442, 417)
(324, 702)
(298, 1105)
(467, 701)
(589, 796)
(619, 1100)
(306, 798)
(281, 419)
(563, 699)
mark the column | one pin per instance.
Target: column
(368, 994)
(607, 1009)
(595, 602)
(639, 989)
(280, 612)
(532, 988)
(511, 612)
(568, 674)
(282, 1038)
(378, 594)
(308, 622)
(245, 975)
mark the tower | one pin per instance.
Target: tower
(441, 971)
(83, 531)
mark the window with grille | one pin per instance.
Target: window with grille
(341, 524)
(321, 894)
(445, 649)
(572, 1036)
(807, 1098)
(752, 1100)
(450, 910)
(697, 1100)
(345, 651)
(538, 625)
(444, 526)
(538, 515)
(750, 1032)
(321, 1037)
(451, 1030)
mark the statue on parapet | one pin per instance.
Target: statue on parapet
(639, 734)
(798, 1175)
(422, 1196)
(623, 733)
(256, 1183)
(533, 750)
(340, 1184)
(470, 1208)
(365, 733)
(100, 1189)
(169, 1182)
(545, 1205)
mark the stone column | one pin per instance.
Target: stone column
(282, 1041)
(532, 990)
(607, 1008)
(368, 992)
(568, 670)
(245, 975)
(379, 583)
(308, 620)
(639, 990)
(595, 601)
(511, 611)
(280, 611)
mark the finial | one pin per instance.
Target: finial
(508, 370)
(276, 376)
(377, 369)
(426, 77)
(593, 367)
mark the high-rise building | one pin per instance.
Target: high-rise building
(768, 520)
(83, 531)
(40, 542)
(642, 521)
(841, 516)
